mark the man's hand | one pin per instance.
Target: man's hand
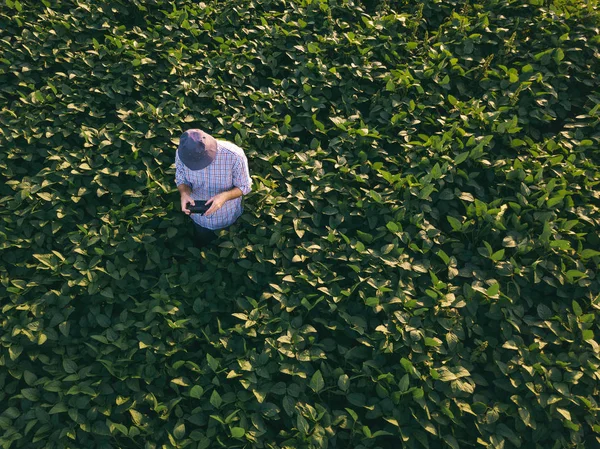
(216, 202)
(186, 198)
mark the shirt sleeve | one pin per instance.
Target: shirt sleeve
(241, 175)
(180, 177)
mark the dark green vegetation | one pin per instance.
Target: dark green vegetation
(416, 266)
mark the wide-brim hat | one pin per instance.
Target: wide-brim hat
(197, 149)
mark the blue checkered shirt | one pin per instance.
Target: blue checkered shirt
(228, 170)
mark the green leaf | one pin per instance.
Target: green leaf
(560, 244)
(407, 365)
(376, 196)
(442, 255)
(431, 342)
(587, 318)
(302, 424)
(29, 377)
(344, 382)
(212, 362)
(320, 126)
(498, 255)
(69, 366)
(231, 416)
(113, 427)
(288, 405)
(357, 399)
(446, 195)
(541, 54)
(525, 416)
(372, 301)
(215, 399)
(313, 47)
(196, 392)
(179, 431)
(507, 432)
(572, 275)
(456, 225)
(493, 289)
(544, 312)
(136, 416)
(588, 334)
(404, 383)
(418, 393)
(260, 395)
(559, 55)
(468, 46)
(238, 432)
(58, 408)
(451, 441)
(564, 412)
(571, 425)
(426, 191)
(364, 236)
(514, 143)
(554, 201)
(64, 328)
(102, 320)
(386, 249)
(316, 382)
(381, 433)
(352, 413)
(15, 351)
(461, 158)
(479, 408)
(31, 394)
(217, 418)
(392, 227)
(589, 253)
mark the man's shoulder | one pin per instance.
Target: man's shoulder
(231, 148)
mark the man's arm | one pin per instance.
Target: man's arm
(242, 183)
(184, 189)
(183, 185)
(241, 175)
(185, 193)
(232, 194)
(181, 181)
(217, 201)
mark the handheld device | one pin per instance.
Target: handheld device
(199, 208)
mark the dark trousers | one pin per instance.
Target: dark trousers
(203, 236)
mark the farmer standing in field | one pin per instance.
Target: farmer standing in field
(212, 170)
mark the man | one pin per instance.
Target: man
(212, 170)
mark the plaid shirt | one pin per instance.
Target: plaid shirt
(228, 170)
